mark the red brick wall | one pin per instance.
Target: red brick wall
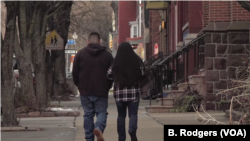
(219, 11)
(155, 21)
(185, 12)
(180, 20)
(126, 13)
(172, 28)
(195, 16)
(223, 11)
(239, 13)
(205, 13)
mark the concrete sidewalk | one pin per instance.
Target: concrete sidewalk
(189, 118)
(53, 129)
(148, 129)
(150, 125)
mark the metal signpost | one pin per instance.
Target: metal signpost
(68, 52)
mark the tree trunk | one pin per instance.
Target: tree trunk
(40, 77)
(60, 74)
(49, 75)
(62, 22)
(26, 80)
(24, 58)
(39, 61)
(9, 118)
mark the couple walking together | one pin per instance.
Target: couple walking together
(94, 72)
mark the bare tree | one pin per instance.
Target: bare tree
(9, 118)
(32, 24)
(89, 16)
(114, 5)
(62, 22)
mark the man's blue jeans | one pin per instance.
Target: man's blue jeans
(132, 107)
(94, 105)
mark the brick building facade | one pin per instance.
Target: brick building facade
(126, 13)
(225, 27)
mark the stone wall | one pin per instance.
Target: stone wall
(223, 53)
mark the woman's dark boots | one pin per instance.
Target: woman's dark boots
(133, 136)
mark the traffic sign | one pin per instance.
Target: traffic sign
(71, 42)
(54, 41)
(70, 51)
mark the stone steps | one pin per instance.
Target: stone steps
(158, 109)
(166, 101)
(183, 86)
(174, 93)
(196, 82)
(202, 72)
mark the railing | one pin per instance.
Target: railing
(186, 61)
(174, 69)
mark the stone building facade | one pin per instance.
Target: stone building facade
(225, 25)
(226, 28)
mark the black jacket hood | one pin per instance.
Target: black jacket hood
(94, 49)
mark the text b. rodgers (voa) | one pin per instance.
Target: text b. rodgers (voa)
(199, 134)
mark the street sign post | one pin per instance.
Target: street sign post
(70, 51)
(71, 42)
(54, 41)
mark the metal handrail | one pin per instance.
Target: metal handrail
(183, 48)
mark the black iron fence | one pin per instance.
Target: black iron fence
(173, 69)
(186, 61)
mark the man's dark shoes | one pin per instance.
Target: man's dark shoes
(98, 135)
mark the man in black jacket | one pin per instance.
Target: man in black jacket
(89, 74)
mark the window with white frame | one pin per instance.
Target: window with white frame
(135, 32)
(133, 29)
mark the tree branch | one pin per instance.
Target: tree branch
(22, 22)
(51, 8)
(55, 11)
(245, 4)
(33, 21)
(38, 8)
(17, 48)
(47, 16)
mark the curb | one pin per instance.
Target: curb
(49, 114)
(20, 128)
(154, 118)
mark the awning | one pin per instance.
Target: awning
(157, 5)
(135, 41)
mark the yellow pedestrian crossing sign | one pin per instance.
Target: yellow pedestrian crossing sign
(54, 41)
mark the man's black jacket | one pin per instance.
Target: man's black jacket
(90, 70)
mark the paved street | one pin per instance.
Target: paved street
(150, 126)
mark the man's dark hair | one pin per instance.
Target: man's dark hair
(126, 67)
(95, 34)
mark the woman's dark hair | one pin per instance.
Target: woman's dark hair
(126, 69)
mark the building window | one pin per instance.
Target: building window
(135, 33)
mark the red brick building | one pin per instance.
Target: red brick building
(126, 13)
(130, 25)
(202, 41)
